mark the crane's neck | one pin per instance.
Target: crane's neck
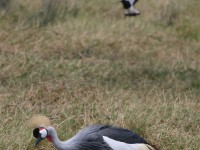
(59, 145)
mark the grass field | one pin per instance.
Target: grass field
(83, 62)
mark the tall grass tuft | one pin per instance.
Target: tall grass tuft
(169, 12)
(4, 4)
(50, 11)
(39, 12)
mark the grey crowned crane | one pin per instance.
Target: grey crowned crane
(129, 10)
(95, 137)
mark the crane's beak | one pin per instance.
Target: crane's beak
(38, 140)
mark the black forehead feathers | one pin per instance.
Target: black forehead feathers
(36, 133)
(126, 4)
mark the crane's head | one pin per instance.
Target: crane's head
(129, 9)
(40, 123)
(40, 134)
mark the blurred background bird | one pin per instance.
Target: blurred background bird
(129, 9)
(93, 137)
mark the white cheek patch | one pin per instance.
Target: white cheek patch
(133, 10)
(43, 133)
(131, 1)
(117, 145)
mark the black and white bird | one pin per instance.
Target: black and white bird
(95, 137)
(129, 9)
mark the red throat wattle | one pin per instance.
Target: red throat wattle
(49, 138)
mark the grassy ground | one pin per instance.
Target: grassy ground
(83, 62)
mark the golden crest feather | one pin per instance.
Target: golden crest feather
(39, 121)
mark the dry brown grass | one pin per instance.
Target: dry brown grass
(81, 66)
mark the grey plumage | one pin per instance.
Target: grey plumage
(91, 138)
(86, 139)
(93, 132)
